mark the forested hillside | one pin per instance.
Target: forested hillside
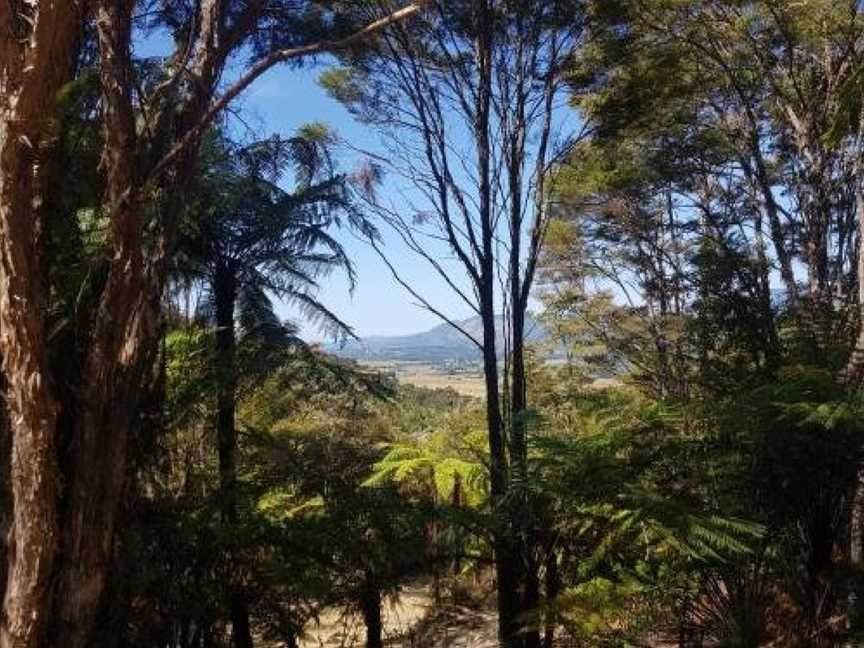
(664, 194)
(441, 343)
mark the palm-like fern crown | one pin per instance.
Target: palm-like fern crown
(269, 241)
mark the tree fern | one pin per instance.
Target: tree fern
(407, 465)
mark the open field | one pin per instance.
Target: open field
(465, 379)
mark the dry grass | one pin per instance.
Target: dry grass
(468, 383)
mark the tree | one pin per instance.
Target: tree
(363, 540)
(710, 183)
(151, 133)
(250, 239)
(37, 58)
(464, 99)
(737, 88)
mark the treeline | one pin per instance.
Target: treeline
(678, 183)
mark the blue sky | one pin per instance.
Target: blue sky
(280, 102)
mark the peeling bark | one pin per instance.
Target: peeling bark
(125, 332)
(36, 48)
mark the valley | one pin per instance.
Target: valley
(464, 377)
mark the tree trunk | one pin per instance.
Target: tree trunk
(126, 327)
(225, 292)
(852, 373)
(553, 588)
(5, 484)
(856, 530)
(122, 346)
(518, 395)
(36, 52)
(241, 633)
(506, 555)
(531, 600)
(507, 570)
(525, 510)
(507, 560)
(370, 604)
(33, 414)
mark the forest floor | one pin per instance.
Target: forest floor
(413, 621)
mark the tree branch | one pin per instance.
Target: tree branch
(263, 65)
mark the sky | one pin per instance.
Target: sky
(285, 99)
(282, 101)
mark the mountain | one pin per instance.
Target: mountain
(439, 344)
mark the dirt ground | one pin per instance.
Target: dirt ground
(406, 625)
(409, 623)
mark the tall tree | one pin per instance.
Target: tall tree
(465, 102)
(37, 55)
(250, 239)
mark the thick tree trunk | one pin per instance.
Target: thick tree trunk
(5, 484)
(121, 349)
(124, 341)
(32, 410)
(125, 332)
(37, 42)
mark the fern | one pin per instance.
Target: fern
(408, 465)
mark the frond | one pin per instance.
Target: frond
(316, 312)
(255, 314)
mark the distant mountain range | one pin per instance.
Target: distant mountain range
(439, 344)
